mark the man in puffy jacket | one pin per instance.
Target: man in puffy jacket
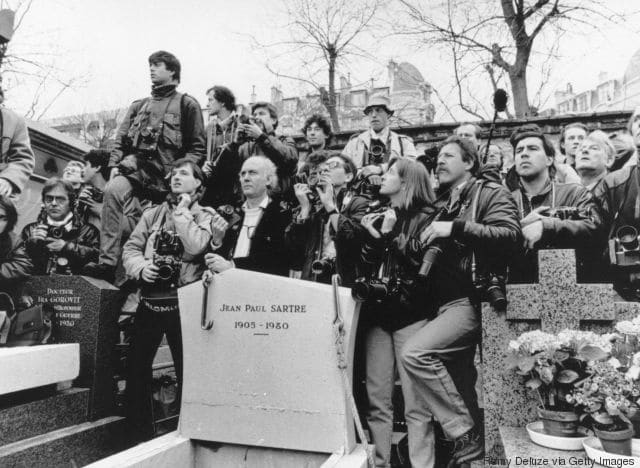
(164, 252)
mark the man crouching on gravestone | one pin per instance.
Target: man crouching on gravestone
(254, 238)
(465, 247)
(552, 215)
(59, 242)
(164, 252)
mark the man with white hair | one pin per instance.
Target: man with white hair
(254, 240)
(594, 158)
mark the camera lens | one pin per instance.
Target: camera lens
(360, 290)
(628, 237)
(165, 272)
(496, 297)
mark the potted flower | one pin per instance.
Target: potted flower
(606, 399)
(552, 364)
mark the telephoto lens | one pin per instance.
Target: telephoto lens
(430, 257)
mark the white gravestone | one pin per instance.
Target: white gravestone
(26, 367)
(266, 374)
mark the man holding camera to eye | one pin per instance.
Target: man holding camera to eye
(94, 177)
(165, 251)
(255, 136)
(372, 150)
(322, 230)
(254, 240)
(155, 132)
(466, 246)
(59, 242)
(552, 215)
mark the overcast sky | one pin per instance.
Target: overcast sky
(104, 45)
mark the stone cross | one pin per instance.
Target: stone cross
(554, 303)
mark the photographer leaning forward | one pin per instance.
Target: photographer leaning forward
(476, 226)
(394, 300)
(372, 150)
(164, 252)
(59, 242)
(254, 136)
(155, 132)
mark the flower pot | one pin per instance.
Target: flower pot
(559, 423)
(618, 442)
(635, 423)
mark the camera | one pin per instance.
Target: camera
(55, 232)
(491, 287)
(372, 289)
(624, 248)
(377, 152)
(167, 257)
(323, 266)
(146, 138)
(428, 259)
(568, 212)
(95, 194)
(368, 187)
(312, 181)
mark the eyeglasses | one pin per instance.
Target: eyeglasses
(48, 199)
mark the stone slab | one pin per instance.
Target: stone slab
(28, 367)
(85, 311)
(55, 411)
(266, 374)
(520, 451)
(78, 445)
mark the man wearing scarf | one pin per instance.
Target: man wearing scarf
(155, 132)
(60, 242)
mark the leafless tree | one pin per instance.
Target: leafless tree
(33, 65)
(322, 37)
(99, 129)
(500, 37)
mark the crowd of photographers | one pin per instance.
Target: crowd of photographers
(420, 239)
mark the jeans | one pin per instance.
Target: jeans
(383, 357)
(121, 211)
(450, 338)
(148, 329)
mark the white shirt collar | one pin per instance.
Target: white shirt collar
(263, 204)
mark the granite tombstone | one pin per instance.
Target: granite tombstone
(84, 311)
(554, 303)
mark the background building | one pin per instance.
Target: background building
(610, 94)
(409, 92)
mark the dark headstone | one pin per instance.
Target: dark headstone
(84, 312)
(555, 303)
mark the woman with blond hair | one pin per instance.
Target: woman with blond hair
(394, 297)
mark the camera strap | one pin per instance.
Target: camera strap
(625, 195)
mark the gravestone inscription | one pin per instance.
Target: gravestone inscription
(84, 311)
(270, 375)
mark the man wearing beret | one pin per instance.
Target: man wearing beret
(372, 150)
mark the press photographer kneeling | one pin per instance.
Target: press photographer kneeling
(59, 242)
(164, 252)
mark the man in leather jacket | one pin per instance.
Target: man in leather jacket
(155, 132)
(477, 221)
(552, 215)
(59, 242)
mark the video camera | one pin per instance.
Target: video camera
(167, 257)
